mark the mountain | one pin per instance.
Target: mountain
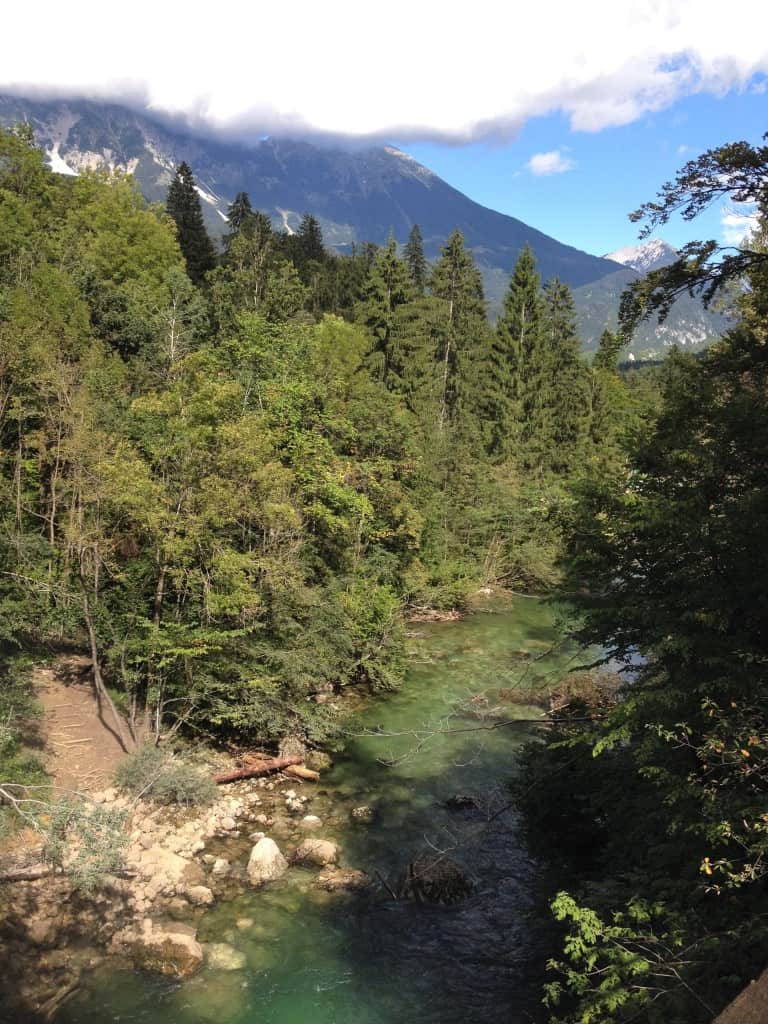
(651, 255)
(357, 195)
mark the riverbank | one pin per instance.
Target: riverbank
(389, 800)
(178, 862)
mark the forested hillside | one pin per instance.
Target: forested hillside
(227, 475)
(655, 799)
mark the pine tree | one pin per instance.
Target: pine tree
(456, 280)
(563, 409)
(607, 355)
(239, 216)
(515, 365)
(387, 287)
(310, 240)
(415, 259)
(183, 204)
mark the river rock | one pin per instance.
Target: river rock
(434, 879)
(336, 879)
(220, 867)
(223, 957)
(317, 851)
(362, 813)
(311, 821)
(199, 895)
(266, 862)
(172, 949)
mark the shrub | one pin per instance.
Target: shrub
(157, 773)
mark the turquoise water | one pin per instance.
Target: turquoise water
(343, 959)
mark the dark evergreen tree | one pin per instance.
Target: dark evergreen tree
(563, 407)
(607, 355)
(310, 240)
(456, 280)
(387, 287)
(516, 359)
(415, 259)
(239, 216)
(183, 204)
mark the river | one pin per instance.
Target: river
(315, 958)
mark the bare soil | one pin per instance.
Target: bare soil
(77, 741)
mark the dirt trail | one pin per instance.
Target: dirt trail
(79, 747)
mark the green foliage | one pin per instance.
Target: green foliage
(87, 841)
(159, 774)
(664, 793)
(183, 205)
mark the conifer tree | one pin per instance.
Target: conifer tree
(415, 259)
(310, 240)
(563, 408)
(516, 362)
(387, 287)
(239, 215)
(456, 280)
(183, 204)
(607, 355)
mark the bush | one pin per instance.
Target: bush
(156, 772)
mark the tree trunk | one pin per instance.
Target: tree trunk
(272, 764)
(98, 682)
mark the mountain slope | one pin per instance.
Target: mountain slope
(357, 195)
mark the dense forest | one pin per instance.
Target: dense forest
(229, 475)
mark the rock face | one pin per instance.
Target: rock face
(317, 851)
(266, 862)
(172, 949)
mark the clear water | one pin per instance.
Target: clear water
(342, 959)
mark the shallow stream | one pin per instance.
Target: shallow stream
(317, 958)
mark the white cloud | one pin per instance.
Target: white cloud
(406, 70)
(737, 221)
(552, 162)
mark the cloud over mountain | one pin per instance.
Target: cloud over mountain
(405, 71)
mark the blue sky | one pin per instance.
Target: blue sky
(614, 170)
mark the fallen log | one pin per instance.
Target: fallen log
(30, 874)
(272, 764)
(299, 771)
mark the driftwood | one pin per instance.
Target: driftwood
(299, 771)
(254, 768)
(30, 874)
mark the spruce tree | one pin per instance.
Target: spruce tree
(607, 355)
(516, 360)
(239, 216)
(183, 204)
(456, 280)
(563, 409)
(387, 287)
(310, 240)
(415, 259)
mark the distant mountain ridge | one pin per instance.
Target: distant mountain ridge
(357, 195)
(650, 255)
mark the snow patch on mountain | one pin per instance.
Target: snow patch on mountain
(57, 164)
(645, 257)
(207, 197)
